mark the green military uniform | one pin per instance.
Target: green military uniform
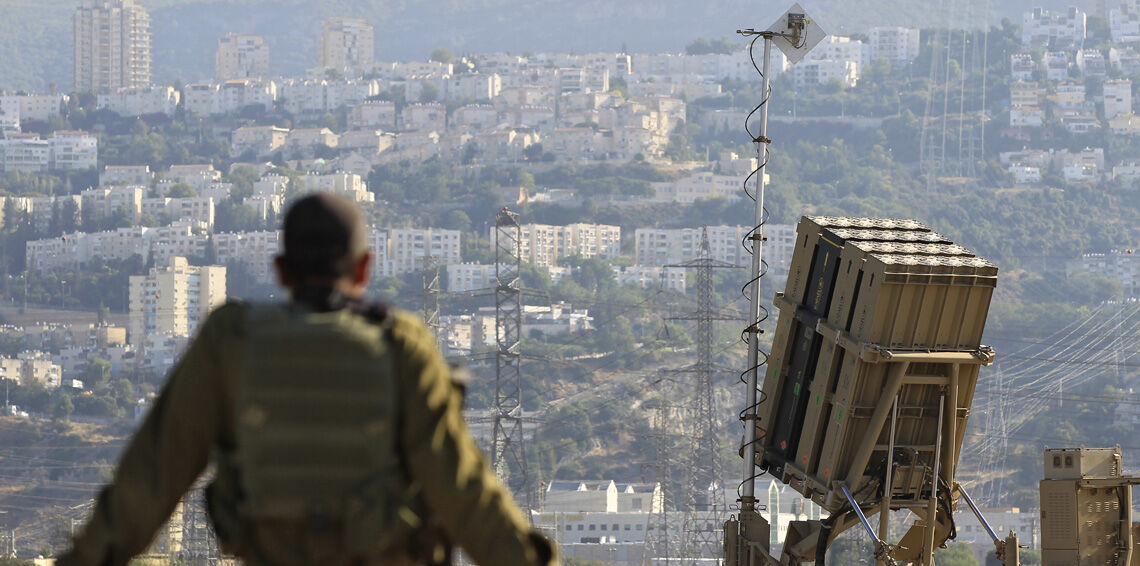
(200, 415)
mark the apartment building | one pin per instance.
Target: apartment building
(544, 245)
(1117, 98)
(407, 247)
(140, 101)
(348, 185)
(898, 45)
(241, 57)
(126, 175)
(210, 99)
(110, 45)
(252, 251)
(1059, 30)
(658, 247)
(651, 277)
(40, 107)
(260, 140)
(174, 299)
(31, 366)
(345, 44)
(63, 151)
(1122, 265)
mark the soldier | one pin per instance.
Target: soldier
(335, 428)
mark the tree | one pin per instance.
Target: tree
(181, 189)
(457, 220)
(96, 373)
(956, 554)
(428, 91)
(63, 408)
(442, 55)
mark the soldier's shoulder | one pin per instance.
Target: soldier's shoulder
(229, 314)
(406, 327)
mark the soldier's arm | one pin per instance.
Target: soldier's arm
(459, 487)
(163, 458)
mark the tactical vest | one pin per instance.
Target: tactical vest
(316, 426)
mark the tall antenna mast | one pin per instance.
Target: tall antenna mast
(794, 34)
(431, 294)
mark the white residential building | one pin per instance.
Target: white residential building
(72, 151)
(209, 99)
(110, 45)
(898, 45)
(347, 185)
(1055, 64)
(140, 101)
(704, 185)
(1124, 23)
(320, 96)
(1117, 97)
(544, 245)
(1123, 265)
(39, 107)
(1026, 117)
(470, 277)
(1021, 67)
(658, 247)
(241, 57)
(126, 175)
(1091, 63)
(651, 277)
(407, 247)
(252, 251)
(1124, 59)
(1058, 30)
(373, 114)
(346, 45)
(174, 299)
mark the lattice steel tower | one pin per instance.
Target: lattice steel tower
(704, 470)
(507, 445)
(431, 294)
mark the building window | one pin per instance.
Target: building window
(593, 527)
(603, 527)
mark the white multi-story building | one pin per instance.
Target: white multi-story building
(347, 185)
(1123, 265)
(63, 151)
(1117, 97)
(1055, 64)
(407, 247)
(72, 151)
(252, 251)
(470, 276)
(140, 101)
(346, 45)
(140, 175)
(101, 203)
(174, 299)
(1124, 59)
(209, 99)
(1091, 63)
(704, 185)
(110, 45)
(651, 277)
(426, 117)
(260, 140)
(179, 239)
(319, 96)
(658, 247)
(544, 245)
(1124, 23)
(811, 72)
(373, 114)
(1060, 30)
(241, 57)
(473, 86)
(1021, 67)
(32, 366)
(1026, 117)
(898, 45)
(40, 107)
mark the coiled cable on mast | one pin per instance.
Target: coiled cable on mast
(749, 242)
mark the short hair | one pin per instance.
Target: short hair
(324, 237)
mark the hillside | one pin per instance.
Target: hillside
(35, 34)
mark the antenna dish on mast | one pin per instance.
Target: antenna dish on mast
(795, 33)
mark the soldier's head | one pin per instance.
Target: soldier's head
(325, 246)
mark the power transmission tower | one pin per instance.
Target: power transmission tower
(657, 531)
(507, 443)
(704, 498)
(431, 294)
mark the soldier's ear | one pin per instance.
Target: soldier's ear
(282, 273)
(360, 270)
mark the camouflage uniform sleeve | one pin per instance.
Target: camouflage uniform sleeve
(164, 457)
(473, 507)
